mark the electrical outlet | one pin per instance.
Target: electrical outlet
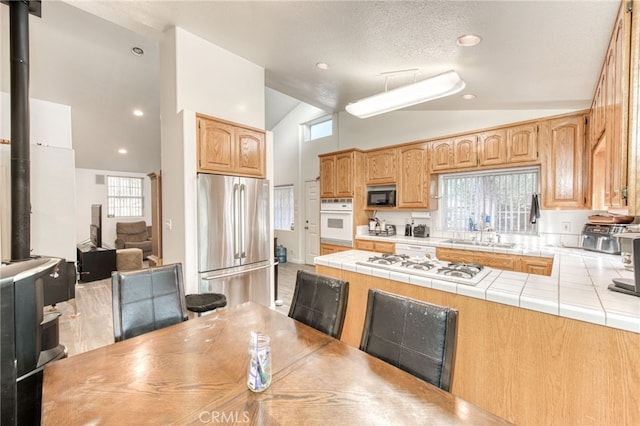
(566, 226)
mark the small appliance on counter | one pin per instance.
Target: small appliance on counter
(388, 231)
(630, 286)
(601, 237)
(421, 231)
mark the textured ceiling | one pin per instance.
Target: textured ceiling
(533, 55)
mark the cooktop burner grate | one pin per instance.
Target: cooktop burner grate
(425, 266)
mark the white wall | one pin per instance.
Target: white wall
(50, 123)
(290, 150)
(197, 76)
(5, 202)
(407, 126)
(89, 192)
(52, 184)
(216, 82)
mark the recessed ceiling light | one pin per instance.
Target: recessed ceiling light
(122, 151)
(137, 51)
(468, 40)
(468, 96)
(138, 113)
(322, 65)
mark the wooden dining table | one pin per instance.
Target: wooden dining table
(195, 372)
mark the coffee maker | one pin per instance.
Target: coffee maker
(630, 251)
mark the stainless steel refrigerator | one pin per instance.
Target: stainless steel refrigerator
(233, 238)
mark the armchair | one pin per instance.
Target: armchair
(134, 235)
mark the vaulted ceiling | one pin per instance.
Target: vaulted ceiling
(533, 55)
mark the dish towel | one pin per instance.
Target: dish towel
(534, 215)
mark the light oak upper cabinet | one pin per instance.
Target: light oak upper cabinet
(522, 143)
(455, 153)
(492, 147)
(414, 178)
(344, 174)
(215, 146)
(230, 149)
(250, 159)
(465, 152)
(616, 127)
(337, 174)
(442, 155)
(327, 176)
(381, 167)
(562, 146)
(609, 129)
(598, 109)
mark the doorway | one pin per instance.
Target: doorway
(311, 211)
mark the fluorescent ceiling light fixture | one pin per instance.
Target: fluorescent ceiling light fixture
(468, 96)
(441, 85)
(322, 65)
(122, 151)
(138, 113)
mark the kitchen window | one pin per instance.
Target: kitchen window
(319, 128)
(502, 196)
(124, 196)
(283, 207)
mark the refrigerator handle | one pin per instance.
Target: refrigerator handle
(236, 205)
(243, 213)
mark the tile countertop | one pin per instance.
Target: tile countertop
(518, 248)
(576, 289)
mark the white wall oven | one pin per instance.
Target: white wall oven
(336, 221)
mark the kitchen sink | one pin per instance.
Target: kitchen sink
(480, 243)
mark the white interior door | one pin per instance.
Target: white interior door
(311, 229)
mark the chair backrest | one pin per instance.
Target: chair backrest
(147, 300)
(132, 231)
(320, 302)
(415, 336)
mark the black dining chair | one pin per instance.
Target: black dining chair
(147, 299)
(320, 302)
(416, 336)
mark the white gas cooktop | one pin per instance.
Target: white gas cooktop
(462, 273)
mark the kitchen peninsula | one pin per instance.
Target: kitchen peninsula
(530, 348)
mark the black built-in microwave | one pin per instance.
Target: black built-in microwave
(381, 198)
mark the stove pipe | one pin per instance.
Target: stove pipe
(20, 170)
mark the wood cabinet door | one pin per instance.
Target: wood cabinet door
(381, 167)
(384, 247)
(250, 152)
(413, 182)
(522, 143)
(538, 266)
(327, 176)
(599, 110)
(562, 145)
(465, 151)
(344, 175)
(365, 245)
(442, 155)
(616, 127)
(216, 146)
(325, 249)
(492, 147)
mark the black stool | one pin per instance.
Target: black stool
(205, 302)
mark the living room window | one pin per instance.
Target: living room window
(501, 197)
(283, 207)
(124, 196)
